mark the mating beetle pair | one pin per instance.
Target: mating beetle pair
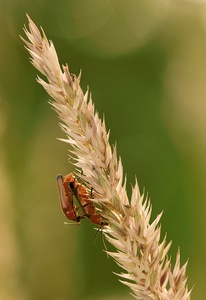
(68, 187)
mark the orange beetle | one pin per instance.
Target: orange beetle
(66, 199)
(70, 187)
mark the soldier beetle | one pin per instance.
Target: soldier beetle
(66, 199)
(69, 186)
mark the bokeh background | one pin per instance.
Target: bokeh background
(145, 63)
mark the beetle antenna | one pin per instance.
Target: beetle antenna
(102, 238)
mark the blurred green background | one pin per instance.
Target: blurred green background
(145, 63)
